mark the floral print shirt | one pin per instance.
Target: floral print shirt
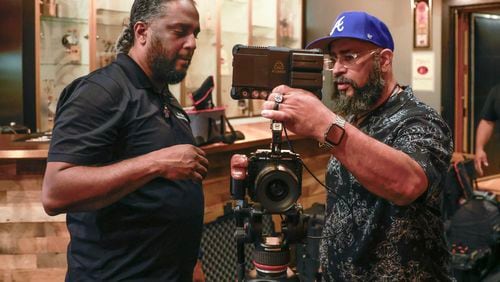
(367, 238)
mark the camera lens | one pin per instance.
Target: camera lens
(277, 188)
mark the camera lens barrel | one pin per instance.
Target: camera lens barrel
(277, 188)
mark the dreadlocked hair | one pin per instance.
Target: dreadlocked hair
(142, 11)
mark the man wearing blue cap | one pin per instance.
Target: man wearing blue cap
(390, 153)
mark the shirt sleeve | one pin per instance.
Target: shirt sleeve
(427, 140)
(87, 124)
(488, 111)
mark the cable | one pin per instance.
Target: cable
(328, 189)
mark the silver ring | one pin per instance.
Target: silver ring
(278, 98)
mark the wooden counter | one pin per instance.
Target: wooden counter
(33, 244)
(14, 147)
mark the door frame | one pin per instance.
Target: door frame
(455, 87)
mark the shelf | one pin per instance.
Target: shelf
(264, 27)
(61, 65)
(106, 17)
(64, 20)
(103, 11)
(109, 25)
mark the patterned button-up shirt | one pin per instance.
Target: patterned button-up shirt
(367, 238)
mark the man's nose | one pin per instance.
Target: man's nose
(338, 68)
(190, 42)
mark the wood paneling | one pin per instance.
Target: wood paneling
(32, 244)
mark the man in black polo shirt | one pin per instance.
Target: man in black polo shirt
(122, 164)
(486, 128)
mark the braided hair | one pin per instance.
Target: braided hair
(142, 10)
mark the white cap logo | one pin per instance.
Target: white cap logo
(339, 25)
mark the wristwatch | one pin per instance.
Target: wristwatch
(334, 134)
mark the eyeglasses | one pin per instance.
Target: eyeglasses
(348, 60)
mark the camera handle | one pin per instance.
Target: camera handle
(277, 129)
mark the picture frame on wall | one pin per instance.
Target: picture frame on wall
(422, 19)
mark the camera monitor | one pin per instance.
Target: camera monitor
(257, 70)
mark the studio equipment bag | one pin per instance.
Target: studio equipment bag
(472, 221)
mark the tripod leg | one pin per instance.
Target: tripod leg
(240, 245)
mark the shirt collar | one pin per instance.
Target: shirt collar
(396, 102)
(134, 72)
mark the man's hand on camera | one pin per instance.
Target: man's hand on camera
(239, 165)
(181, 162)
(300, 111)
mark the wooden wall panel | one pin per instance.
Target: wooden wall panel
(39, 275)
(32, 244)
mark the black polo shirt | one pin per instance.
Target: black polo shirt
(491, 108)
(152, 234)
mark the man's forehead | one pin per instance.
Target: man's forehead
(348, 44)
(176, 8)
(178, 13)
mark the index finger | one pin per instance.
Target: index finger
(281, 89)
(199, 151)
(203, 161)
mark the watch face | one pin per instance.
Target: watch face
(335, 134)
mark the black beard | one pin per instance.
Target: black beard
(163, 68)
(363, 98)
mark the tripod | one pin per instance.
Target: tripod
(271, 256)
(274, 185)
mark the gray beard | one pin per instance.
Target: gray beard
(363, 98)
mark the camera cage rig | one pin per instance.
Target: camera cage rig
(271, 256)
(256, 71)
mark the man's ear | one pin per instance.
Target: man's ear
(386, 59)
(141, 32)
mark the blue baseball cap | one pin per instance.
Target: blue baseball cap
(357, 25)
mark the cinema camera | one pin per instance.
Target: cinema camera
(274, 176)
